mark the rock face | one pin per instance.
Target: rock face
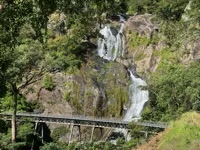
(88, 91)
(97, 85)
(190, 52)
(51, 101)
(146, 47)
(142, 25)
(141, 43)
(99, 88)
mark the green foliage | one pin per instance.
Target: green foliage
(137, 134)
(19, 63)
(140, 7)
(26, 133)
(25, 138)
(175, 33)
(173, 90)
(135, 131)
(48, 83)
(136, 40)
(13, 16)
(74, 99)
(67, 96)
(5, 140)
(166, 9)
(172, 10)
(27, 53)
(120, 96)
(192, 12)
(111, 85)
(120, 145)
(6, 103)
(183, 134)
(50, 146)
(3, 126)
(168, 57)
(63, 52)
(59, 132)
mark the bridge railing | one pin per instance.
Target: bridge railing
(86, 118)
(65, 116)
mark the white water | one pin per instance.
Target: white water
(110, 47)
(138, 97)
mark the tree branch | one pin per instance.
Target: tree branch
(33, 78)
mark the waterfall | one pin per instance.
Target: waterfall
(137, 96)
(112, 46)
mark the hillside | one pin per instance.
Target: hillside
(182, 134)
(118, 59)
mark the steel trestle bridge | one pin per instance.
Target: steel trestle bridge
(80, 120)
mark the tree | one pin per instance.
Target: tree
(21, 57)
(173, 91)
(172, 10)
(144, 6)
(24, 59)
(14, 15)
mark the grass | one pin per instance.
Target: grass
(183, 134)
(136, 40)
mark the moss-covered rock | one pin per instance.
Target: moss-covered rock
(100, 88)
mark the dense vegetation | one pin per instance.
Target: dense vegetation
(174, 91)
(30, 49)
(174, 87)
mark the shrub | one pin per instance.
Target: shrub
(48, 82)
(58, 132)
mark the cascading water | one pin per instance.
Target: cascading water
(138, 97)
(110, 47)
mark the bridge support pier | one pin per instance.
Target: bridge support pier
(79, 130)
(127, 134)
(36, 124)
(107, 134)
(71, 132)
(93, 127)
(146, 134)
(101, 131)
(42, 132)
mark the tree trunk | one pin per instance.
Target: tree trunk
(14, 104)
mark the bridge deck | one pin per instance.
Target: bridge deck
(80, 120)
